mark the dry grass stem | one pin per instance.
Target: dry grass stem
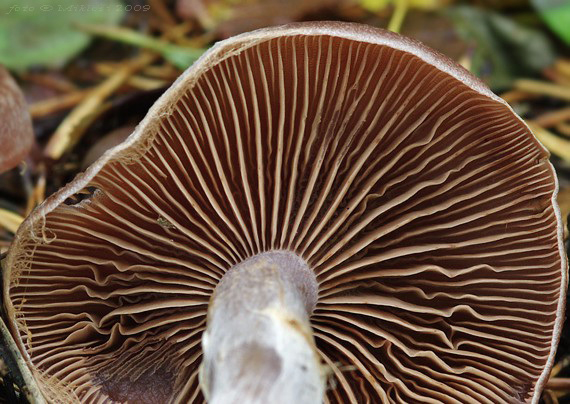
(165, 71)
(556, 76)
(56, 83)
(56, 104)
(563, 67)
(38, 193)
(558, 384)
(565, 361)
(514, 96)
(9, 220)
(135, 81)
(75, 124)
(555, 144)
(543, 88)
(563, 128)
(552, 118)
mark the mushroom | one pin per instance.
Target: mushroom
(16, 132)
(319, 211)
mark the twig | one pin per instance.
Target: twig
(60, 103)
(553, 118)
(466, 61)
(165, 71)
(4, 246)
(146, 83)
(60, 84)
(555, 76)
(10, 220)
(555, 144)
(561, 364)
(558, 384)
(563, 128)
(543, 88)
(549, 397)
(563, 67)
(38, 193)
(136, 81)
(515, 96)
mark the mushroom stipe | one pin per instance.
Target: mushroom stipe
(320, 212)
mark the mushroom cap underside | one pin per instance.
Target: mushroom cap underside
(424, 205)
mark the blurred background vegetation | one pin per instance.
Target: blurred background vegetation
(90, 69)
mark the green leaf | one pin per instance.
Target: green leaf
(180, 56)
(377, 5)
(503, 48)
(41, 32)
(556, 14)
